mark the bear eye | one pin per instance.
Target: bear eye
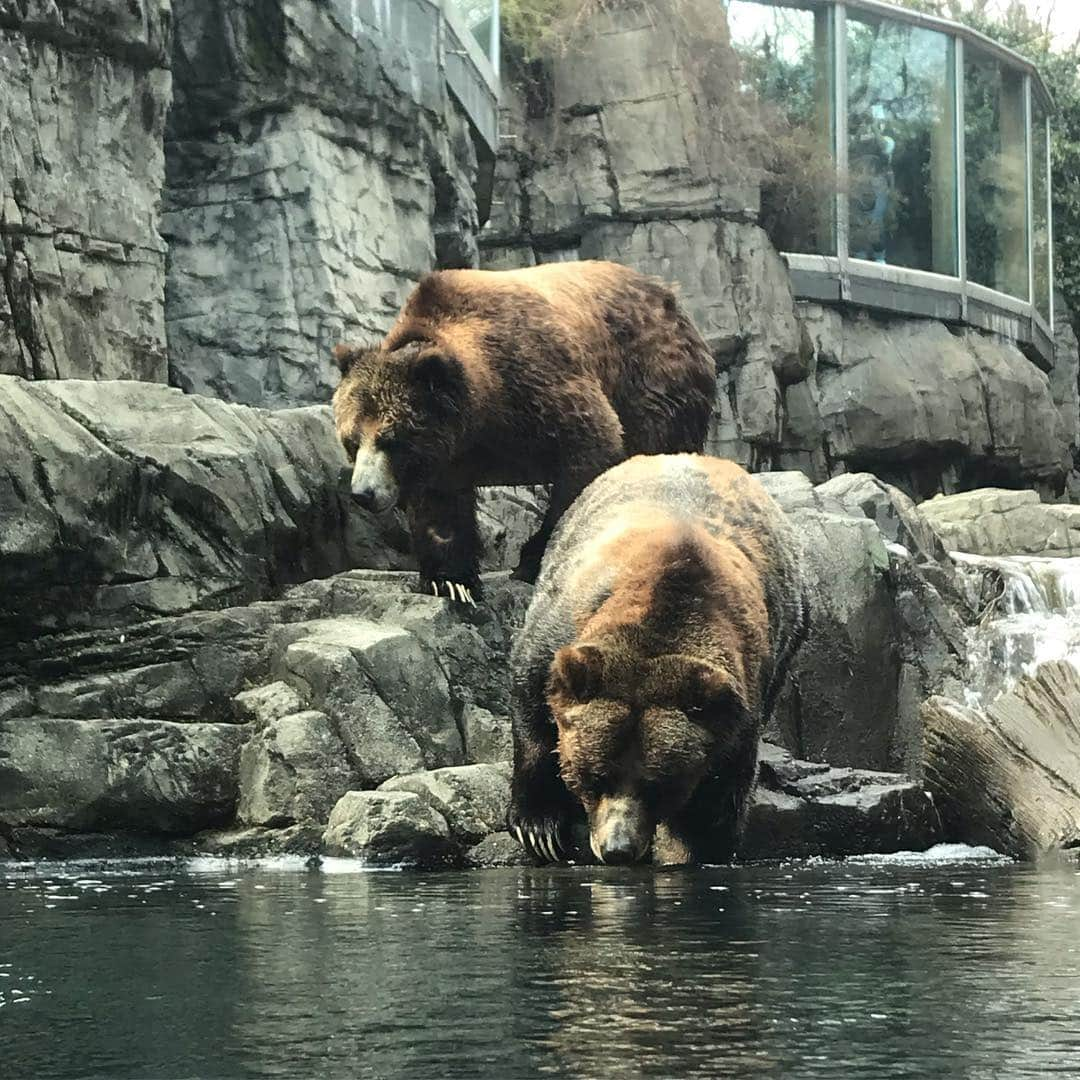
(388, 442)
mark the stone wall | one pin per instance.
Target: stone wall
(615, 157)
(84, 89)
(316, 167)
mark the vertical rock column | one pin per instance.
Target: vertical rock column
(84, 89)
(316, 167)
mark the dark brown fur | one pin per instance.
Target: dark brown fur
(666, 614)
(546, 375)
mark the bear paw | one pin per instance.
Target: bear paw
(546, 837)
(459, 592)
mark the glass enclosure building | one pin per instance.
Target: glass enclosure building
(923, 153)
(482, 19)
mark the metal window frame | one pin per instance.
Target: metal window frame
(841, 279)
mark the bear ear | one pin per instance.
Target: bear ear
(442, 378)
(577, 672)
(709, 693)
(343, 356)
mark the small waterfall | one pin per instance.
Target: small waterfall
(1030, 614)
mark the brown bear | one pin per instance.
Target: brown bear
(550, 374)
(669, 605)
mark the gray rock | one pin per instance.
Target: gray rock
(472, 798)
(123, 500)
(293, 772)
(140, 775)
(802, 809)
(80, 251)
(386, 694)
(994, 521)
(487, 738)
(294, 227)
(497, 850)
(387, 827)
(265, 704)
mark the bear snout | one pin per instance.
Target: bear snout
(620, 831)
(373, 485)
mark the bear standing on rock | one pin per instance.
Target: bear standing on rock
(668, 609)
(547, 375)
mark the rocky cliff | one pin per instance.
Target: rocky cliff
(316, 167)
(84, 92)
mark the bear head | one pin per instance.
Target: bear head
(637, 734)
(400, 415)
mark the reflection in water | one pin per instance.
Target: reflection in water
(862, 970)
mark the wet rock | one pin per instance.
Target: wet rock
(255, 843)
(385, 692)
(471, 798)
(846, 674)
(387, 828)
(801, 809)
(97, 775)
(996, 521)
(1007, 775)
(293, 771)
(498, 849)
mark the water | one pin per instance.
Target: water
(905, 968)
(1031, 615)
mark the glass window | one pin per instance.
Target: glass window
(901, 181)
(1040, 209)
(478, 16)
(995, 166)
(786, 54)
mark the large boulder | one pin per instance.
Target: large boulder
(387, 828)
(472, 798)
(83, 99)
(123, 500)
(384, 690)
(142, 776)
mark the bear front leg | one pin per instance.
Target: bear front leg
(446, 544)
(542, 811)
(591, 443)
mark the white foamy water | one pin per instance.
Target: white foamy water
(1030, 616)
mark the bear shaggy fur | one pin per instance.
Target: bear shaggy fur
(669, 606)
(547, 375)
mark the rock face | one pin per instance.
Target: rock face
(999, 522)
(123, 499)
(641, 170)
(882, 637)
(142, 776)
(84, 90)
(316, 167)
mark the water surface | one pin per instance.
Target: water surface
(901, 969)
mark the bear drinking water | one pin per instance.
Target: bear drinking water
(669, 606)
(550, 374)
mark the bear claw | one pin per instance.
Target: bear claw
(455, 591)
(542, 841)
